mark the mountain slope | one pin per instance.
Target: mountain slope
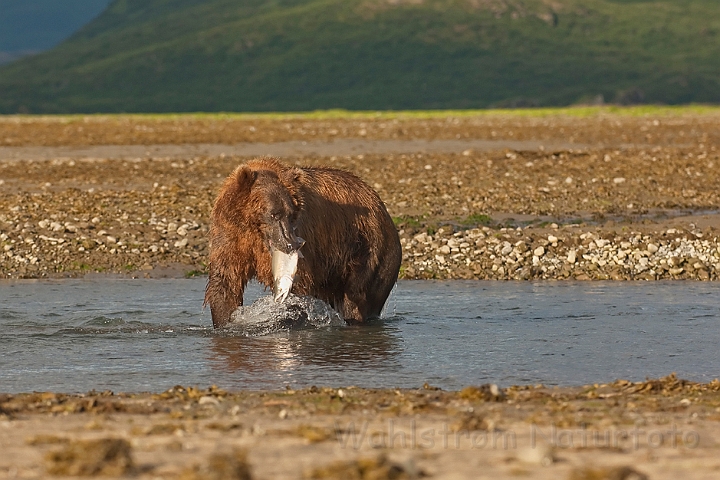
(36, 25)
(215, 55)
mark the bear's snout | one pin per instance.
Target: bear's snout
(282, 237)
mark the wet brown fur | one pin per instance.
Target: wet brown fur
(352, 256)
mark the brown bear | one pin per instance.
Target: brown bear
(351, 253)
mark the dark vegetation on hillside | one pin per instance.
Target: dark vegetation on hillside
(289, 55)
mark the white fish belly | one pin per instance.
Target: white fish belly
(284, 267)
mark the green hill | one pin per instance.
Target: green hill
(290, 55)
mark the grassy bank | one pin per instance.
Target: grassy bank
(343, 114)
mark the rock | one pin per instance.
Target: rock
(652, 248)
(208, 400)
(421, 237)
(606, 473)
(537, 455)
(675, 262)
(105, 457)
(539, 251)
(221, 466)
(572, 256)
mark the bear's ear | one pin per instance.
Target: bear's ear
(293, 179)
(245, 179)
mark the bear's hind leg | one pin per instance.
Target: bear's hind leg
(358, 307)
(353, 309)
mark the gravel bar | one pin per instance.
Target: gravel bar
(640, 200)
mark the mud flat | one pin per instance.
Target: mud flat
(659, 429)
(608, 195)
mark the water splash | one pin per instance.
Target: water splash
(105, 322)
(390, 304)
(266, 316)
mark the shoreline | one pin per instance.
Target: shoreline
(554, 253)
(659, 428)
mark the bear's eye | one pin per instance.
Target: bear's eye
(275, 216)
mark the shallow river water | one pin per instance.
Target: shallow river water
(149, 335)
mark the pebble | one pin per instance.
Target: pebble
(538, 455)
(572, 256)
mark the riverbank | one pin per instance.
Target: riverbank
(658, 429)
(617, 197)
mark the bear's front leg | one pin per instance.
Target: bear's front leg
(224, 298)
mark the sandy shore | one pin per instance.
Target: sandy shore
(491, 197)
(658, 429)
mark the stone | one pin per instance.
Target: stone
(537, 455)
(572, 256)
(675, 261)
(539, 251)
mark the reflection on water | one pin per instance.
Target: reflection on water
(148, 335)
(374, 346)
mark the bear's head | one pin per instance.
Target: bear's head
(267, 201)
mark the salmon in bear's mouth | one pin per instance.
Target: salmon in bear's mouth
(284, 267)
